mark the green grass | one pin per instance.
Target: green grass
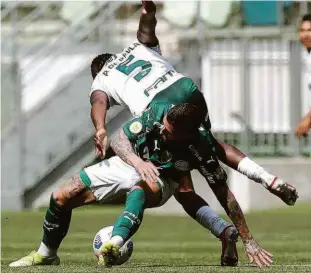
(164, 243)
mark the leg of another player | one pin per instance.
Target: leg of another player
(56, 222)
(235, 159)
(255, 253)
(197, 208)
(140, 197)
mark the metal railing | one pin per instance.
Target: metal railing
(59, 42)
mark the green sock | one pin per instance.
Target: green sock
(129, 222)
(56, 224)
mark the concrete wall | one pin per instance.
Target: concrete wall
(48, 136)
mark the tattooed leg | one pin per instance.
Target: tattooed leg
(57, 218)
(73, 194)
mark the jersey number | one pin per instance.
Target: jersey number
(127, 69)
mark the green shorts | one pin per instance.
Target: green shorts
(183, 91)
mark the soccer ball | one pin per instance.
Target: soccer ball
(103, 236)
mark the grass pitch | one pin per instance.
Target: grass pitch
(163, 243)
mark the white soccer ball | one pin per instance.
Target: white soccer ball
(103, 236)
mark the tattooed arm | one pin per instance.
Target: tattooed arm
(255, 253)
(124, 149)
(232, 208)
(147, 24)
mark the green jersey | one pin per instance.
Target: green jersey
(172, 159)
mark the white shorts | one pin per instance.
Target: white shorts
(112, 178)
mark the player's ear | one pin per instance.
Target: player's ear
(94, 74)
(94, 70)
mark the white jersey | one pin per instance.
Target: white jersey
(133, 77)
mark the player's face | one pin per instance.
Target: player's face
(305, 34)
(169, 134)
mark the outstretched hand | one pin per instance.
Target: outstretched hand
(256, 254)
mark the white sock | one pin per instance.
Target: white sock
(118, 240)
(46, 251)
(255, 172)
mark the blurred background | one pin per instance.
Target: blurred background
(244, 55)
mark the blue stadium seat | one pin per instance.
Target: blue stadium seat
(261, 13)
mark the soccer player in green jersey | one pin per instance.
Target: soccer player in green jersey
(164, 145)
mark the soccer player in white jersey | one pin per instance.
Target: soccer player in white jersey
(113, 73)
(305, 38)
(140, 75)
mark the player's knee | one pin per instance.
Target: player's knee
(149, 187)
(152, 193)
(183, 197)
(178, 197)
(190, 201)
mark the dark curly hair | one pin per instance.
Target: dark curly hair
(185, 117)
(99, 62)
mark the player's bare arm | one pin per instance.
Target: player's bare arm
(232, 208)
(147, 24)
(304, 125)
(100, 105)
(255, 253)
(124, 149)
